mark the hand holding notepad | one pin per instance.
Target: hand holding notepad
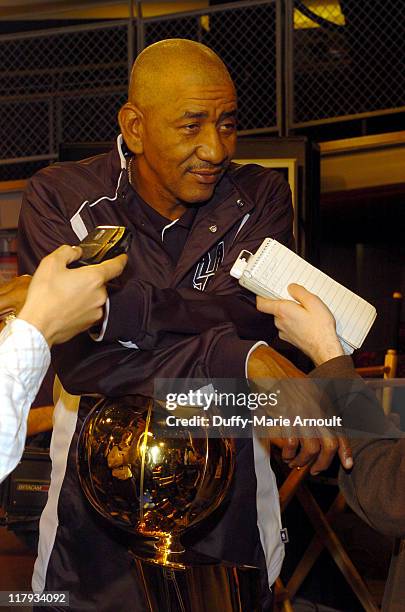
(273, 267)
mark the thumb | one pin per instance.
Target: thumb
(112, 267)
(299, 293)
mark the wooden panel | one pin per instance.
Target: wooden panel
(358, 170)
(7, 186)
(376, 141)
(10, 203)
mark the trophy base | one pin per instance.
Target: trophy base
(207, 587)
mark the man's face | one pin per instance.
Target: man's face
(188, 141)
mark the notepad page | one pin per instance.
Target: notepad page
(274, 267)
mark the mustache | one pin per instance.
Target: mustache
(209, 167)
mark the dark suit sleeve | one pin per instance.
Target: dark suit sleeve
(375, 486)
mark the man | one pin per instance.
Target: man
(374, 488)
(177, 313)
(60, 303)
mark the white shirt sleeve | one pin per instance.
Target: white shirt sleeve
(24, 360)
(254, 347)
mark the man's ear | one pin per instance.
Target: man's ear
(130, 120)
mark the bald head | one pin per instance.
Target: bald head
(167, 65)
(180, 124)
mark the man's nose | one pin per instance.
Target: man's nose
(211, 147)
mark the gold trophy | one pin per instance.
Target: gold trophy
(157, 488)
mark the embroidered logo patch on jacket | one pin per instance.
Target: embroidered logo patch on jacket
(207, 266)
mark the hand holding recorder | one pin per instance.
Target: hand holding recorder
(60, 302)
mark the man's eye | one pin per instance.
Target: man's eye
(191, 127)
(228, 127)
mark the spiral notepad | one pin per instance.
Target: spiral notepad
(273, 267)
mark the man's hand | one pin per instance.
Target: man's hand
(13, 294)
(308, 325)
(265, 368)
(61, 302)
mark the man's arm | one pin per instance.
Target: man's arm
(374, 488)
(84, 366)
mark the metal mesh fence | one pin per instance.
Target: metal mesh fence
(57, 86)
(91, 118)
(344, 58)
(348, 59)
(24, 129)
(245, 39)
